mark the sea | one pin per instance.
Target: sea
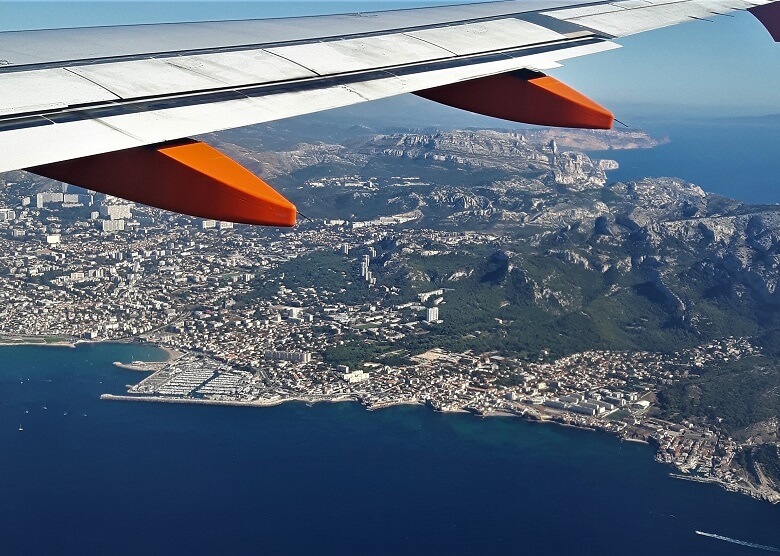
(737, 158)
(89, 476)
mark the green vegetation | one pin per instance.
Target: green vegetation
(618, 415)
(519, 301)
(325, 270)
(356, 353)
(762, 459)
(734, 395)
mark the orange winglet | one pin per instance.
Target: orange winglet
(526, 97)
(185, 176)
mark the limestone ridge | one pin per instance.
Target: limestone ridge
(533, 184)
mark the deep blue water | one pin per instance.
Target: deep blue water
(739, 160)
(132, 478)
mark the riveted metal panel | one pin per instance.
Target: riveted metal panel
(66, 45)
(23, 148)
(572, 13)
(42, 90)
(637, 20)
(488, 36)
(334, 57)
(635, 16)
(240, 68)
(142, 78)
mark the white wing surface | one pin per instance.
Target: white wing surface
(70, 96)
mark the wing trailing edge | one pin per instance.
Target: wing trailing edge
(184, 176)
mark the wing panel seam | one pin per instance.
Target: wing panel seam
(122, 107)
(262, 46)
(405, 34)
(93, 82)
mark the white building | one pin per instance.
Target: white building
(294, 356)
(355, 376)
(112, 225)
(116, 212)
(424, 296)
(47, 197)
(77, 199)
(432, 314)
(294, 312)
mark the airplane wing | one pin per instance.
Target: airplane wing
(111, 108)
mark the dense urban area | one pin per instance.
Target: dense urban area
(317, 314)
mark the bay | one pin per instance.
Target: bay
(88, 476)
(737, 159)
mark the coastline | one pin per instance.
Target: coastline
(172, 355)
(72, 343)
(559, 461)
(528, 417)
(150, 366)
(228, 403)
(140, 366)
(31, 341)
(637, 440)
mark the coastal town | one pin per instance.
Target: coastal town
(604, 391)
(86, 267)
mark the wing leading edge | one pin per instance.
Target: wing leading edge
(93, 108)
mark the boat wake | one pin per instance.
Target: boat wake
(739, 542)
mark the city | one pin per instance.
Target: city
(87, 269)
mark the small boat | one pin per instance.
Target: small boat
(20, 427)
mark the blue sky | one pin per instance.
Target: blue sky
(729, 67)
